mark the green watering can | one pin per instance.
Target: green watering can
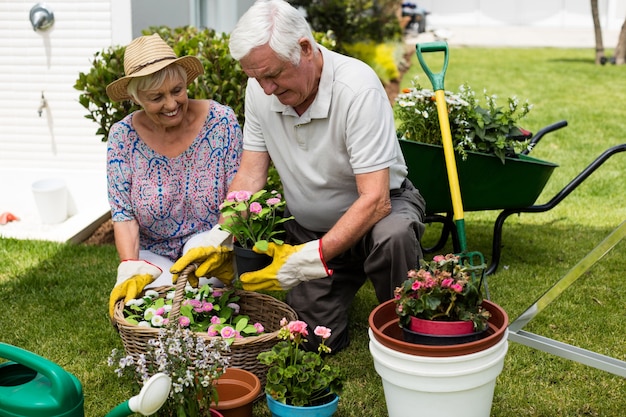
(32, 386)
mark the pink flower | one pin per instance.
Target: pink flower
(283, 322)
(457, 287)
(272, 201)
(184, 321)
(297, 326)
(212, 332)
(206, 306)
(215, 320)
(439, 258)
(235, 307)
(416, 285)
(447, 282)
(160, 311)
(259, 327)
(255, 208)
(227, 332)
(217, 293)
(231, 196)
(242, 195)
(323, 332)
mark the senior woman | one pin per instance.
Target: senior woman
(169, 165)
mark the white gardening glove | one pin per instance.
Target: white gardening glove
(291, 266)
(213, 251)
(132, 277)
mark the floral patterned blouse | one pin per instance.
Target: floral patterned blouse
(172, 198)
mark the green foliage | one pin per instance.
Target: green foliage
(223, 80)
(352, 21)
(491, 129)
(107, 66)
(441, 290)
(297, 377)
(254, 219)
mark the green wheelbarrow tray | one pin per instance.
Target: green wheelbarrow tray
(486, 183)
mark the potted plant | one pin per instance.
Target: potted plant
(439, 376)
(254, 220)
(175, 352)
(440, 303)
(214, 311)
(494, 169)
(299, 382)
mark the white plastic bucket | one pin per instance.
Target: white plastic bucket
(438, 386)
(51, 198)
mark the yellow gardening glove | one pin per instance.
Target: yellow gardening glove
(216, 262)
(291, 266)
(213, 251)
(132, 277)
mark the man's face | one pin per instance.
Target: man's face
(294, 86)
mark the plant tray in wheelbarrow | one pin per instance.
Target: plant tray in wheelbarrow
(486, 183)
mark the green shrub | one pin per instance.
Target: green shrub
(353, 21)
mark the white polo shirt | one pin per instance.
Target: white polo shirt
(348, 129)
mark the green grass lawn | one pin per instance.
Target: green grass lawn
(55, 295)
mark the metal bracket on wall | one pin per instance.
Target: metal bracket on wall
(587, 357)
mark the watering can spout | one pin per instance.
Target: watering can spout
(149, 400)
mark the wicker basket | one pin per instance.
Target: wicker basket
(259, 307)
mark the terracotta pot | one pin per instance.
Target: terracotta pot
(215, 413)
(384, 323)
(247, 260)
(237, 390)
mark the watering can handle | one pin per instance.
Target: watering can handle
(60, 379)
(436, 79)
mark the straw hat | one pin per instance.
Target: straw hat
(146, 55)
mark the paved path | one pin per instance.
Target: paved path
(517, 36)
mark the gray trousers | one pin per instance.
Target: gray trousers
(384, 255)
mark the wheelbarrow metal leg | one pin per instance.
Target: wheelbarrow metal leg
(560, 196)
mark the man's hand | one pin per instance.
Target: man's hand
(132, 277)
(212, 250)
(290, 266)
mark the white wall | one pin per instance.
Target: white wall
(61, 143)
(537, 13)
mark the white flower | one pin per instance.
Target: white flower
(152, 294)
(157, 321)
(143, 323)
(150, 311)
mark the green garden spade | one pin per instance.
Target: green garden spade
(475, 260)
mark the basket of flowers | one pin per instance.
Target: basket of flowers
(247, 320)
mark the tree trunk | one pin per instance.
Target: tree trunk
(600, 59)
(620, 49)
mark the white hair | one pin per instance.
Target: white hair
(273, 22)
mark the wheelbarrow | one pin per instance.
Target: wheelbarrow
(32, 386)
(487, 184)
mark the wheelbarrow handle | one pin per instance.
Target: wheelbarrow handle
(436, 79)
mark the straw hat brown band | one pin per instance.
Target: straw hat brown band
(146, 55)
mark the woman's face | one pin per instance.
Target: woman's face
(166, 105)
